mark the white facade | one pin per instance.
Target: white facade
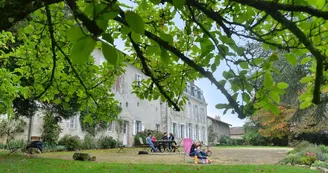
(143, 114)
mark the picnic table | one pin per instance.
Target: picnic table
(164, 143)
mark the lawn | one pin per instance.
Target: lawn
(14, 164)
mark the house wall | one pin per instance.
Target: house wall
(141, 114)
(219, 128)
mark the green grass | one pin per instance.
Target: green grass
(14, 164)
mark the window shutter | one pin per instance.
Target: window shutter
(142, 126)
(134, 128)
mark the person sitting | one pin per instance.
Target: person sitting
(150, 143)
(172, 141)
(164, 138)
(198, 154)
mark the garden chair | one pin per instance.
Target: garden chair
(143, 145)
(187, 142)
(176, 147)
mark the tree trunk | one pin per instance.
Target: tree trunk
(29, 129)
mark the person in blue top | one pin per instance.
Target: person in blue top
(150, 143)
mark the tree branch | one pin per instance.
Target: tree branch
(192, 64)
(286, 7)
(149, 73)
(13, 11)
(53, 48)
(76, 74)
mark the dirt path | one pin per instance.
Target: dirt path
(229, 156)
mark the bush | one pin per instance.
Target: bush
(321, 164)
(89, 142)
(51, 129)
(105, 142)
(323, 148)
(70, 142)
(304, 144)
(16, 143)
(143, 136)
(53, 148)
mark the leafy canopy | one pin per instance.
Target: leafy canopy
(172, 41)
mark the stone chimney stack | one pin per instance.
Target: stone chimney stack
(218, 117)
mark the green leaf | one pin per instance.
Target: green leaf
(135, 37)
(155, 1)
(57, 101)
(320, 3)
(282, 85)
(178, 3)
(110, 53)
(268, 81)
(243, 65)
(222, 106)
(29, 29)
(306, 79)
(108, 38)
(305, 60)
(292, 59)
(82, 49)
(74, 34)
(274, 57)
(135, 22)
(275, 96)
(126, 30)
(165, 56)
(246, 97)
(228, 74)
(305, 104)
(273, 108)
(258, 61)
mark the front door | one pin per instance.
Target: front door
(125, 133)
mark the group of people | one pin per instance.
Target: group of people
(197, 153)
(156, 146)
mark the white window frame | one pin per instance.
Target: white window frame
(72, 123)
(138, 126)
(111, 126)
(139, 79)
(158, 127)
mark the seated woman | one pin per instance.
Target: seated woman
(172, 141)
(196, 152)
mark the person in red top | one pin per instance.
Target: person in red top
(153, 138)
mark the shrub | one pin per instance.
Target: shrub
(143, 135)
(323, 148)
(105, 142)
(225, 140)
(53, 148)
(70, 142)
(16, 143)
(89, 142)
(51, 129)
(321, 164)
(302, 145)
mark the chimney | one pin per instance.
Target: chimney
(218, 117)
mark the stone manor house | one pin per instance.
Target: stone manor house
(142, 114)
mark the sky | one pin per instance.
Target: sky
(212, 95)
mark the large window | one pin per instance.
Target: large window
(197, 132)
(111, 126)
(202, 114)
(157, 127)
(138, 79)
(174, 128)
(119, 84)
(72, 122)
(190, 130)
(138, 126)
(196, 116)
(189, 110)
(181, 131)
